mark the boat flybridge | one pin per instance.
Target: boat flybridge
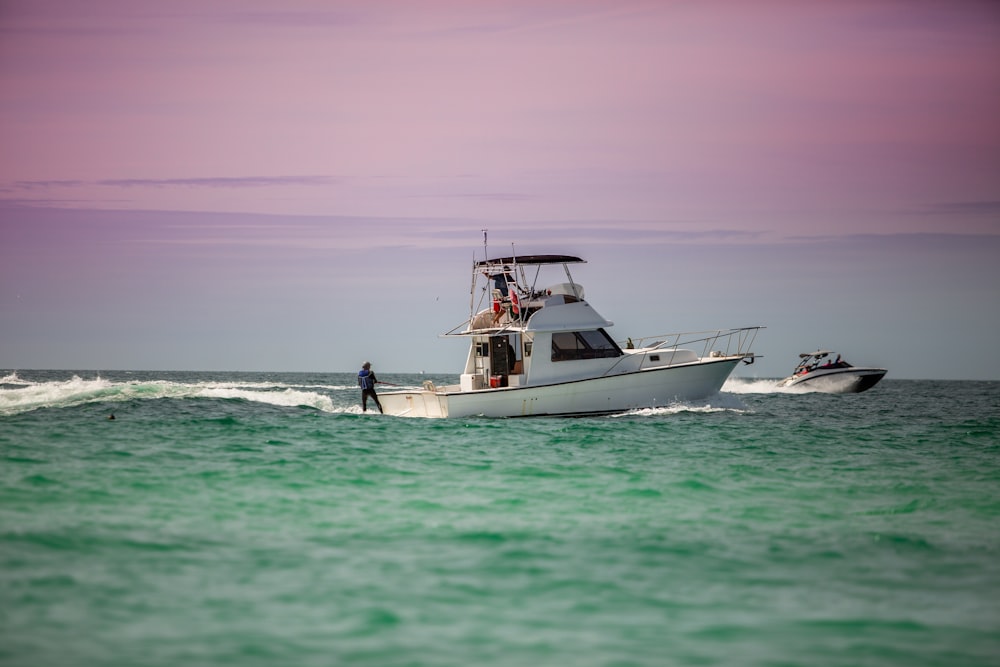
(537, 347)
(825, 371)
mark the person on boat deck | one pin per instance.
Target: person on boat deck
(367, 382)
(501, 280)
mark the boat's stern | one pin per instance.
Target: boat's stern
(420, 403)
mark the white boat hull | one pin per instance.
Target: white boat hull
(852, 380)
(648, 388)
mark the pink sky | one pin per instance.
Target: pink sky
(350, 128)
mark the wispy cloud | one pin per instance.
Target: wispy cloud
(309, 18)
(219, 182)
(206, 182)
(45, 185)
(965, 207)
(483, 196)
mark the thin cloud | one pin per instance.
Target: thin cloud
(209, 182)
(965, 207)
(44, 185)
(218, 182)
(511, 18)
(484, 196)
(291, 19)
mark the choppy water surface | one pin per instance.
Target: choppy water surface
(261, 519)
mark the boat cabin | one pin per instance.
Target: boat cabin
(523, 330)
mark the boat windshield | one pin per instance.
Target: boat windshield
(821, 359)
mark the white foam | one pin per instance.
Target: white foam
(753, 386)
(288, 398)
(12, 379)
(29, 396)
(34, 395)
(718, 403)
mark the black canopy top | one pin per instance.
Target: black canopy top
(532, 259)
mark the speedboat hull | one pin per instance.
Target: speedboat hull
(853, 380)
(649, 388)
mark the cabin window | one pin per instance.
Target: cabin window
(574, 345)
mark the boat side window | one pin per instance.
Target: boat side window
(574, 345)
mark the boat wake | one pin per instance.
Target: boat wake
(755, 386)
(17, 395)
(718, 403)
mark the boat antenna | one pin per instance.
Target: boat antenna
(518, 269)
(472, 287)
(486, 254)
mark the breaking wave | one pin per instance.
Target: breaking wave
(18, 395)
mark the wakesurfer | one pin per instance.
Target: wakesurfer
(367, 382)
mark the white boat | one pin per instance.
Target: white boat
(825, 371)
(539, 348)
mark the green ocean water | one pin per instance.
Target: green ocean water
(261, 519)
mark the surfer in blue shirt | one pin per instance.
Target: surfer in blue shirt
(367, 382)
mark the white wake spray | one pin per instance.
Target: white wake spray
(755, 386)
(17, 395)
